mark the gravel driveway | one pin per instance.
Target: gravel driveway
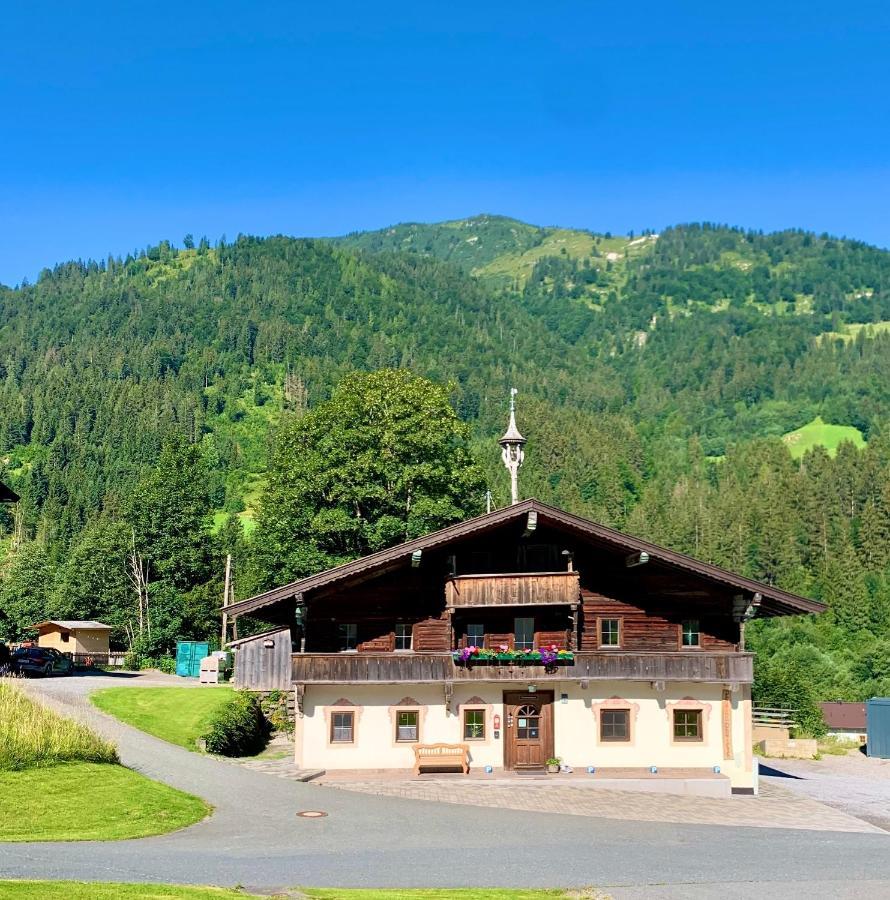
(856, 784)
(254, 837)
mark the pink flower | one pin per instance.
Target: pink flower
(503, 648)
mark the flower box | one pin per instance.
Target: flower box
(546, 656)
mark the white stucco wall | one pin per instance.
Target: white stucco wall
(575, 725)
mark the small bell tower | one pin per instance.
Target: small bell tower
(512, 452)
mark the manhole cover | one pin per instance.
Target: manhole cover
(311, 814)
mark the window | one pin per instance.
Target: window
(524, 631)
(65, 636)
(538, 557)
(348, 636)
(342, 727)
(691, 633)
(474, 724)
(687, 725)
(615, 725)
(403, 636)
(528, 723)
(475, 635)
(610, 632)
(406, 725)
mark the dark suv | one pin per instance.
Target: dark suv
(41, 661)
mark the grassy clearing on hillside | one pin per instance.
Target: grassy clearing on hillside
(512, 266)
(179, 715)
(91, 802)
(817, 433)
(852, 331)
(31, 735)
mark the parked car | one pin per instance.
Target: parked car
(41, 661)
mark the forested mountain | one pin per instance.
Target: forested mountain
(657, 375)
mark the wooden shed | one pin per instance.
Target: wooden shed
(79, 638)
(263, 661)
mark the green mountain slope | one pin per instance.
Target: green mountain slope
(636, 358)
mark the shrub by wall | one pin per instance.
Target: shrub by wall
(238, 728)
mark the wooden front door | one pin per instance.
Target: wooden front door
(528, 737)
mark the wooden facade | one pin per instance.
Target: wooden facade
(397, 615)
(263, 662)
(516, 589)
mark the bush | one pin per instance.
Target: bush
(134, 660)
(238, 728)
(32, 735)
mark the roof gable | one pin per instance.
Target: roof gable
(774, 600)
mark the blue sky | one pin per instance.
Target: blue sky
(125, 123)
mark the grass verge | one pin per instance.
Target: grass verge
(179, 715)
(33, 735)
(90, 802)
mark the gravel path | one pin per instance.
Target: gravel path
(254, 838)
(856, 784)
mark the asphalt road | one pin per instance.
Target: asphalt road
(256, 839)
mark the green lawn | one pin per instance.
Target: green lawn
(818, 433)
(90, 802)
(84, 890)
(179, 715)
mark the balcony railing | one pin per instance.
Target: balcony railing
(394, 668)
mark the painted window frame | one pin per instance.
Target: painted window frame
(699, 719)
(619, 644)
(627, 725)
(415, 726)
(474, 710)
(333, 728)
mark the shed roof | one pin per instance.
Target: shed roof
(844, 715)
(75, 624)
(774, 600)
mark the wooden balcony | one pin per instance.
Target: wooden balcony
(526, 589)
(430, 668)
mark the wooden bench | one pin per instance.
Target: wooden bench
(442, 755)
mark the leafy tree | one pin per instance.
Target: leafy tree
(26, 591)
(169, 513)
(93, 583)
(384, 460)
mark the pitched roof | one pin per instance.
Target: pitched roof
(74, 624)
(7, 495)
(844, 715)
(774, 600)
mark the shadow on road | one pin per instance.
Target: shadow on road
(777, 773)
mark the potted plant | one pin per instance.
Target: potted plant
(553, 765)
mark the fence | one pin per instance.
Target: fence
(87, 660)
(774, 715)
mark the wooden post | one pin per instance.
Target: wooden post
(226, 589)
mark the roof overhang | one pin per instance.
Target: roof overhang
(774, 601)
